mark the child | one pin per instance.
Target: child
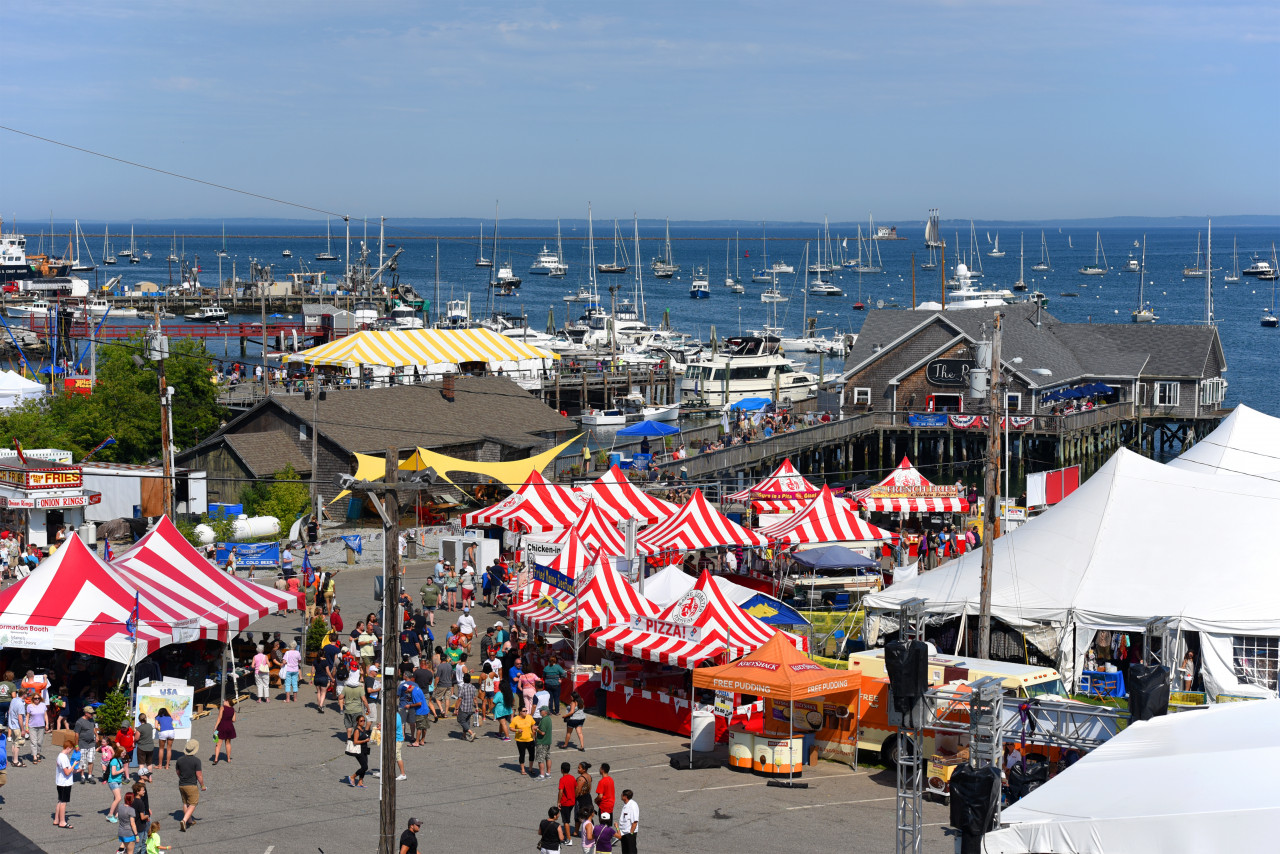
(153, 840)
(105, 752)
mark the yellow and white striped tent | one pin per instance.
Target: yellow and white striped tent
(426, 349)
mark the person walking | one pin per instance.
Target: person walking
(290, 672)
(443, 685)
(409, 839)
(153, 840)
(583, 808)
(373, 693)
(37, 721)
(523, 726)
(466, 707)
(190, 782)
(322, 675)
(629, 822)
(261, 665)
(542, 745)
(117, 773)
(400, 748)
(127, 826)
(146, 747)
(354, 704)
(225, 731)
(551, 834)
(360, 738)
(164, 723)
(551, 675)
(86, 739)
(503, 702)
(574, 718)
(64, 776)
(16, 723)
(565, 799)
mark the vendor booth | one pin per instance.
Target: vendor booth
(547, 502)
(701, 626)
(41, 496)
(781, 675)
(919, 504)
(593, 528)
(696, 526)
(620, 499)
(784, 491)
(669, 584)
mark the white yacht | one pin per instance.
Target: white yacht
(781, 267)
(406, 317)
(964, 294)
(457, 314)
(98, 307)
(772, 294)
(547, 260)
(825, 289)
(749, 366)
(365, 313)
(208, 314)
(1261, 269)
(584, 294)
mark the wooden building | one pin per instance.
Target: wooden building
(473, 418)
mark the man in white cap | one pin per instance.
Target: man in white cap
(467, 627)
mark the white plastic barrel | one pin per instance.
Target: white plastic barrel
(704, 732)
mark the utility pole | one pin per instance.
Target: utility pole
(990, 486)
(266, 372)
(166, 491)
(315, 443)
(387, 839)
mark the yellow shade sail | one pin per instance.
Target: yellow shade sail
(421, 347)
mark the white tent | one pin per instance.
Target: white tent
(15, 388)
(1136, 541)
(1246, 442)
(669, 584)
(1197, 781)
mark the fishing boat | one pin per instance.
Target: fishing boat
(700, 285)
(1042, 265)
(286, 254)
(207, 314)
(1234, 275)
(1144, 313)
(772, 294)
(995, 252)
(1096, 269)
(482, 261)
(667, 414)
(38, 308)
(664, 266)
(1021, 284)
(1260, 268)
(584, 294)
(327, 254)
(933, 231)
(1131, 265)
(618, 248)
(1195, 271)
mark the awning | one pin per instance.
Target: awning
(905, 490)
(784, 491)
(779, 671)
(548, 502)
(424, 348)
(697, 526)
(826, 519)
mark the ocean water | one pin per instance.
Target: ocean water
(1251, 351)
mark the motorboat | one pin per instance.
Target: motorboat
(825, 289)
(406, 317)
(1261, 269)
(38, 308)
(746, 366)
(100, 307)
(603, 418)
(507, 278)
(773, 295)
(584, 294)
(1131, 266)
(365, 313)
(700, 286)
(285, 254)
(210, 314)
(667, 414)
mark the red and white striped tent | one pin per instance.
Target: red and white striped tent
(905, 490)
(826, 519)
(604, 599)
(596, 530)
(701, 625)
(784, 491)
(696, 526)
(622, 500)
(191, 593)
(538, 505)
(74, 601)
(564, 567)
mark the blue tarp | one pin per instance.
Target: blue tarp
(751, 404)
(769, 610)
(833, 557)
(649, 428)
(251, 554)
(354, 543)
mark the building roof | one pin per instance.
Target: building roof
(1071, 351)
(264, 454)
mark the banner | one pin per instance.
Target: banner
(938, 420)
(606, 674)
(724, 703)
(353, 543)
(549, 576)
(964, 422)
(178, 700)
(666, 628)
(250, 554)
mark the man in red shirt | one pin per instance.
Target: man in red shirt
(335, 620)
(604, 791)
(567, 796)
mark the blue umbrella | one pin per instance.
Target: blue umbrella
(648, 428)
(751, 404)
(833, 557)
(53, 370)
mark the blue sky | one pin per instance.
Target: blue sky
(696, 110)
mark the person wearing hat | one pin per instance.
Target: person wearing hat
(409, 839)
(467, 626)
(86, 739)
(190, 781)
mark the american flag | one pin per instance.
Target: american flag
(131, 624)
(107, 552)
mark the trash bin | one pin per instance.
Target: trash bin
(703, 730)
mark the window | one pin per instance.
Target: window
(1142, 394)
(946, 403)
(1212, 391)
(302, 432)
(1013, 400)
(861, 396)
(1255, 660)
(1166, 394)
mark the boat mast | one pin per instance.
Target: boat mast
(644, 311)
(1208, 277)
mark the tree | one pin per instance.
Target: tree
(283, 498)
(125, 405)
(113, 711)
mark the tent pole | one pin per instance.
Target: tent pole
(791, 742)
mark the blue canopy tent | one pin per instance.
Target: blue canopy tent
(751, 404)
(649, 428)
(833, 557)
(772, 611)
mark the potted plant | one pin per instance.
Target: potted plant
(602, 461)
(113, 711)
(316, 634)
(575, 470)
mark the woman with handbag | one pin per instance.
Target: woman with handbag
(358, 746)
(574, 718)
(225, 731)
(262, 674)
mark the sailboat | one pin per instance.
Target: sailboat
(823, 264)
(327, 254)
(125, 253)
(1195, 271)
(731, 280)
(664, 267)
(222, 253)
(931, 263)
(618, 245)
(506, 281)
(765, 276)
(995, 252)
(1143, 313)
(78, 265)
(482, 261)
(873, 248)
(1042, 265)
(1095, 269)
(933, 231)
(1269, 318)
(133, 249)
(975, 257)
(558, 269)
(107, 257)
(1234, 275)
(173, 250)
(818, 286)
(1021, 284)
